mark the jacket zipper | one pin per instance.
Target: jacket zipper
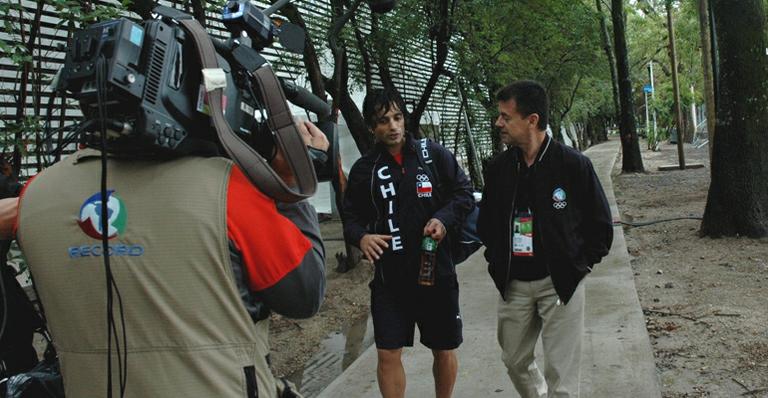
(541, 236)
(509, 228)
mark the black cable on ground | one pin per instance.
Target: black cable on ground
(643, 224)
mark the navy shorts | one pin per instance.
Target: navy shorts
(435, 309)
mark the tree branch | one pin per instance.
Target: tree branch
(442, 37)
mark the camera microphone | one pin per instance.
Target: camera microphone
(304, 98)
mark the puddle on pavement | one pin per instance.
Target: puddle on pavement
(337, 352)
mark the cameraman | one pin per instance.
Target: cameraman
(200, 256)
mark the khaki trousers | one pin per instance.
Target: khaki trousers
(533, 309)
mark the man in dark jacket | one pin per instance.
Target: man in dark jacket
(545, 222)
(394, 199)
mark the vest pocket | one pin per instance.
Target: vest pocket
(251, 384)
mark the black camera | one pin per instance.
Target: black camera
(146, 77)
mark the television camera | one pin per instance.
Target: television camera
(150, 82)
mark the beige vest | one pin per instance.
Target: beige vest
(188, 332)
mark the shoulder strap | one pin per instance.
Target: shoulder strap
(280, 121)
(426, 160)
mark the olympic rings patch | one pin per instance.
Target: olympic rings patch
(558, 198)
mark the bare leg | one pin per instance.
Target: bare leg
(444, 368)
(391, 374)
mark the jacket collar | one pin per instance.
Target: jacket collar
(408, 146)
(544, 150)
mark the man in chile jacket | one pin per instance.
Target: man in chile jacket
(394, 199)
(545, 222)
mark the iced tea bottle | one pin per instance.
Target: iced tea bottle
(428, 264)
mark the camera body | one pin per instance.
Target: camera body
(154, 95)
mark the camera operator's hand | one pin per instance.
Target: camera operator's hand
(312, 135)
(8, 210)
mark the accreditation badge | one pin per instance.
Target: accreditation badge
(522, 237)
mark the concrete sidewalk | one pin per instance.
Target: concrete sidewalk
(617, 358)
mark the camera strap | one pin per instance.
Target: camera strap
(288, 139)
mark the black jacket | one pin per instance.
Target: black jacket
(571, 215)
(413, 199)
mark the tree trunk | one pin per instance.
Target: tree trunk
(559, 119)
(338, 85)
(557, 129)
(198, 11)
(581, 135)
(706, 66)
(602, 135)
(141, 7)
(632, 162)
(351, 256)
(609, 55)
(26, 71)
(475, 171)
(594, 125)
(442, 38)
(365, 55)
(737, 203)
(311, 63)
(676, 87)
(381, 58)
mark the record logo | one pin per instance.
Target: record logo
(90, 216)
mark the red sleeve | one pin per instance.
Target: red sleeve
(271, 246)
(21, 195)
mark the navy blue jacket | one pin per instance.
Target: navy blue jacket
(384, 198)
(571, 215)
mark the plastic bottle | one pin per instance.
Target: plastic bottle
(428, 264)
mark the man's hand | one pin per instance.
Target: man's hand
(313, 137)
(373, 245)
(435, 229)
(8, 210)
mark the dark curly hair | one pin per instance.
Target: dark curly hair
(380, 100)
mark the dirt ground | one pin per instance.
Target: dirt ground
(705, 300)
(347, 300)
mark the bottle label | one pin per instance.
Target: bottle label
(428, 244)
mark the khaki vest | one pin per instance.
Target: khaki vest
(189, 334)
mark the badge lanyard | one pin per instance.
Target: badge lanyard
(522, 238)
(522, 226)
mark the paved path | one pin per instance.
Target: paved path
(617, 360)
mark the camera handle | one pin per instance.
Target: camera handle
(279, 119)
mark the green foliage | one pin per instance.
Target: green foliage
(16, 52)
(83, 13)
(18, 133)
(393, 38)
(555, 42)
(402, 30)
(214, 6)
(648, 40)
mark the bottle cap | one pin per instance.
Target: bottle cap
(428, 244)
